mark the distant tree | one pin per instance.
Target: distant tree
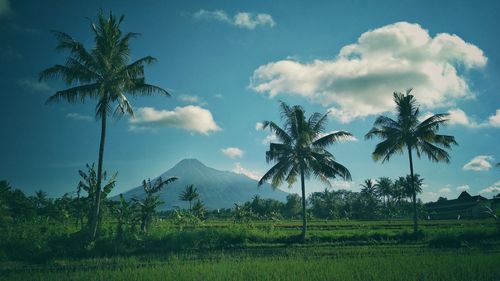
(369, 198)
(385, 189)
(199, 210)
(442, 199)
(302, 152)
(189, 194)
(292, 206)
(323, 204)
(147, 207)
(413, 186)
(369, 188)
(6, 191)
(89, 184)
(102, 73)
(407, 133)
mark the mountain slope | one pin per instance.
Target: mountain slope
(217, 189)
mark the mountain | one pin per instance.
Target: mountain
(217, 189)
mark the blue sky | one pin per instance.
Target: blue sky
(228, 63)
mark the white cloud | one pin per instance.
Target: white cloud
(191, 118)
(250, 21)
(5, 8)
(458, 117)
(217, 15)
(233, 152)
(241, 19)
(191, 99)
(259, 126)
(429, 196)
(479, 163)
(341, 184)
(251, 174)
(463, 188)
(494, 188)
(270, 138)
(219, 96)
(494, 120)
(34, 85)
(360, 81)
(80, 117)
(444, 190)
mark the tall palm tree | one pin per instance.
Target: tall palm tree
(302, 152)
(189, 195)
(407, 133)
(102, 73)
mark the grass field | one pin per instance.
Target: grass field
(335, 250)
(292, 263)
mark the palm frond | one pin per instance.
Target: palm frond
(280, 133)
(275, 172)
(74, 94)
(332, 139)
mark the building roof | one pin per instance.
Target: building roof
(463, 200)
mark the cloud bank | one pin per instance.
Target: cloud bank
(190, 118)
(241, 19)
(361, 79)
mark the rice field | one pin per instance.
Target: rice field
(335, 250)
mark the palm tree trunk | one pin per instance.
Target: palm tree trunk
(304, 215)
(97, 200)
(414, 193)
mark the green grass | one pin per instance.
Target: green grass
(295, 263)
(262, 250)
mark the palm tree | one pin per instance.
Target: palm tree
(102, 73)
(408, 133)
(384, 188)
(411, 187)
(147, 207)
(189, 195)
(302, 152)
(369, 188)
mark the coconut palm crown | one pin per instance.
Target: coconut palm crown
(407, 133)
(102, 73)
(301, 151)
